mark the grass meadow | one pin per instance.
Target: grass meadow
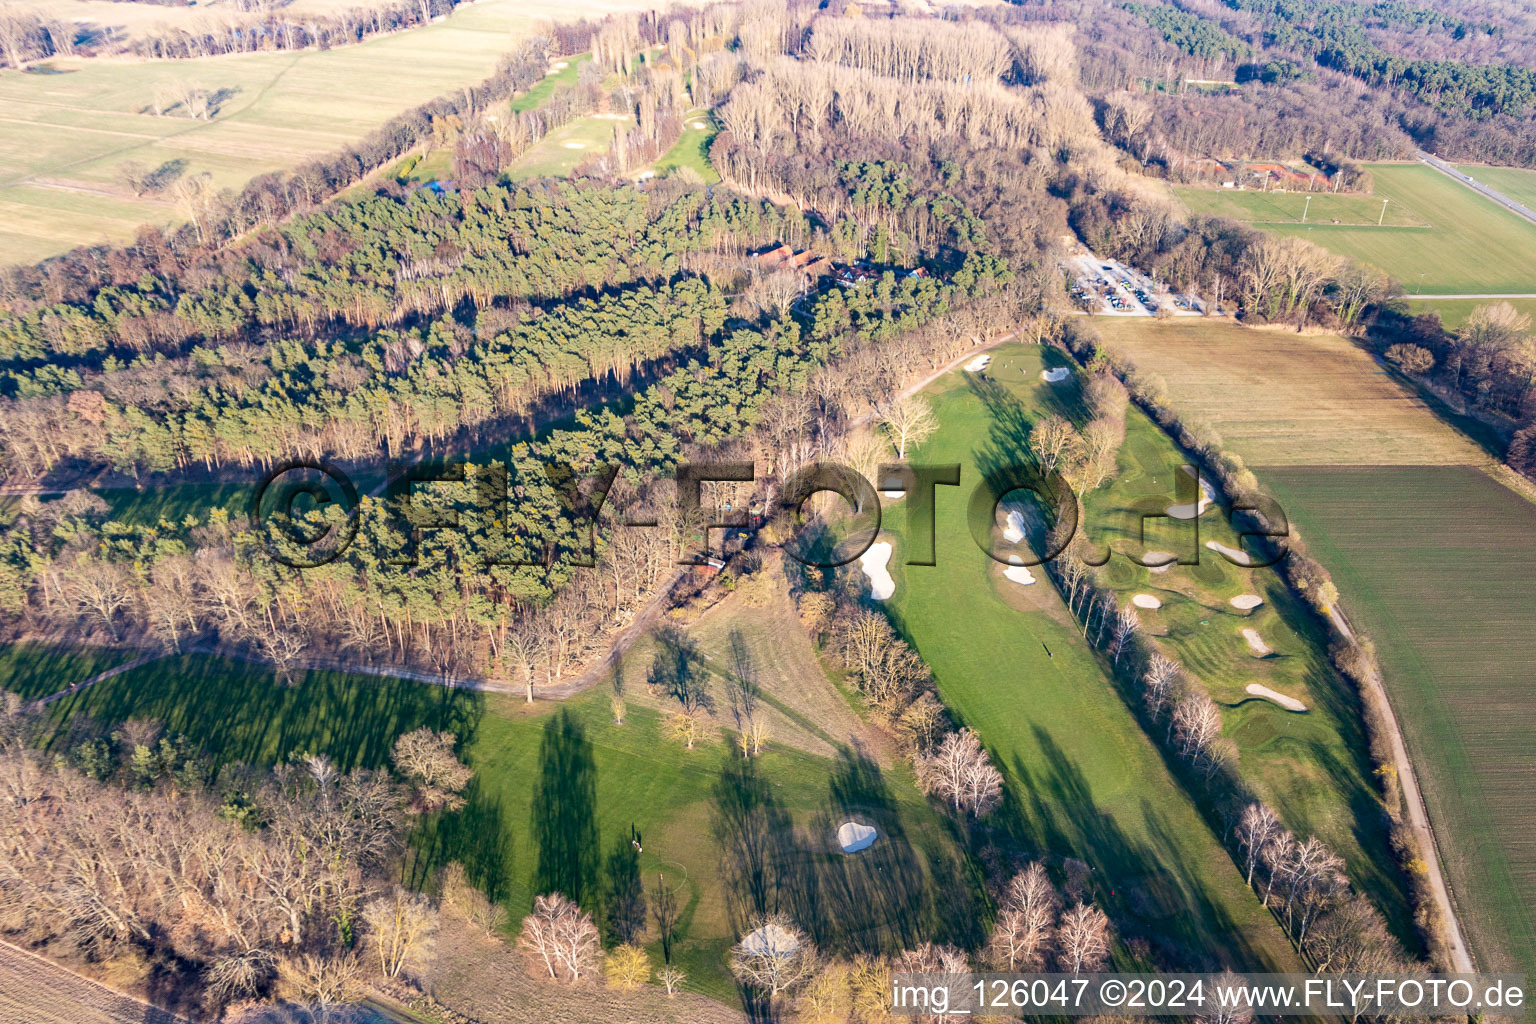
(1439, 238)
(1435, 564)
(1082, 780)
(558, 787)
(1278, 397)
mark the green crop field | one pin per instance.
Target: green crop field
(1082, 780)
(1440, 237)
(1436, 563)
(1517, 183)
(914, 882)
(1454, 312)
(63, 135)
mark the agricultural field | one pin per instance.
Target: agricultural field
(1439, 237)
(1009, 662)
(66, 132)
(1279, 398)
(1454, 312)
(1435, 564)
(607, 778)
(1517, 183)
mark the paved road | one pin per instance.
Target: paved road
(1477, 186)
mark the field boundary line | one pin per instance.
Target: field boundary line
(1418, 811)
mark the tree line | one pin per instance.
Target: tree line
(244, 883)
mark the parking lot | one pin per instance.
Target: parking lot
(1120, 290)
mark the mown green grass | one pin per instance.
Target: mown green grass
(37, 670)
(1264, 209)
(640, 777)
(1082, 779)
(692, 148)
(558, 153)
(1312, 767)
(1470, 243)
(1435, 564)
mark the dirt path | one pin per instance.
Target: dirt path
(37, 991)
(1418, 815)
(100, 676)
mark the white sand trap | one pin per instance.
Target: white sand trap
(1246, 601)
(770, 940)
(1240, 557)
(1256, 643)
(698, 126)
(561, 65)
(1289, 703)
(1207, 495)
(575, 145)
(610, 117)
(1056, 376)
(1014, 531)
(1146, 601)
(873, 562)
(978, 364)
(1019, 572)
(893, 495)
(853, 837)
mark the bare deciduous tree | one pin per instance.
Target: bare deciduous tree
(560, 939)
(426, 757)
(1083, 938)
(960, 772)
(908, 421)
(401, 926)
(775, 956)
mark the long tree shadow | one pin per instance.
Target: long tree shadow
(565, 830)
(476, 836)
(878, 900)
(764, 870)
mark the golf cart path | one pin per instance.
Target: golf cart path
(1418, 815)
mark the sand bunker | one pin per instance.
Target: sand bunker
(1146, 601)
(1014, 531)
(873, 562)
(978, 364)
(1167, 557)
(1246, 601)
(1207, 495)
(1256, 643)
(893, 495)
(771, 940)
(853, 837)
(561, 65)
(1289, 703)
(575, 145)
(1240, 557)
(1057, 375)
(1018, 572)
(697, 126)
